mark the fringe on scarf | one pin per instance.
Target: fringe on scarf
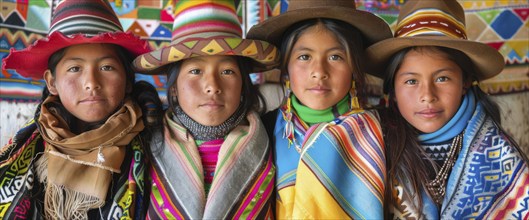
(63, 203)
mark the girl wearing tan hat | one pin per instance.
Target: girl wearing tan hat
(448, 157)
(212, 158)
(81, 156)
(328, 150)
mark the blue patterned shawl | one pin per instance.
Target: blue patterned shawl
(490, 179)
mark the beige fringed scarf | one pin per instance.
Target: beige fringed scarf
(77, 169)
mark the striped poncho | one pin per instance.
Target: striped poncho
(333, 170)
(242, 185)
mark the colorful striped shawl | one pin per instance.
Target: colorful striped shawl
(490, 179)
(21, 194)
(336, 171)
(242, 185)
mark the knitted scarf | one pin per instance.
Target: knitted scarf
(78, 168)
(312, 116)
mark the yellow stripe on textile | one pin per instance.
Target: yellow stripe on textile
(313, 201)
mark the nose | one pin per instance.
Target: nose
(319, 70)
(427, 93)
(212, 85)
(91, 79)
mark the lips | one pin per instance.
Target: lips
(429, 113)
(319, 89)
(92, 99)
(212, 105)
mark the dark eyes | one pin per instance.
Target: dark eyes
(332, 57)
(439, 79)
(411, 82)
(442, 79)
(74, 69)
(194, 71)
(223, 72)
(304, 57)
(107, 68)
(228, 72)
(335, 57)
(103, 68)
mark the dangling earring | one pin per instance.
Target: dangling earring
(355, 105)
(385, 100)
(174, 99)
(287, 115)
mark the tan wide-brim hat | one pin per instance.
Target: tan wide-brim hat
(435, 23)
(371, 26)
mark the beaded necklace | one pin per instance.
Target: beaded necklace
(437, 187)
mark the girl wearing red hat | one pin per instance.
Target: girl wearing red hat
(448, 157)
(212, 158)
(80, 157)
(328, 150)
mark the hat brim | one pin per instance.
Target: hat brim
(372, 27)
(264, 54)
(487, 60)
(40, 51)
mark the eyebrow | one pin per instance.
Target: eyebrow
(82, 59)
(309, 49)
(436, 72)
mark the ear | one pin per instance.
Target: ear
(50, 82)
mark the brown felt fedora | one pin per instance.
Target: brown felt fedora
(371, 26)
(435, 23)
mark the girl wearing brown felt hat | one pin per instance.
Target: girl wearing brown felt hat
(448, 157)
(328, 147)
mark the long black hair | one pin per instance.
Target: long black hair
(405, 158)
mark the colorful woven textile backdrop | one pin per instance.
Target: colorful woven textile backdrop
(502, 24)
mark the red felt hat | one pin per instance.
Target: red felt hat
(74, 22)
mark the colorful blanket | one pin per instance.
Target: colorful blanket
(22, 195)
(242, 186)
(333, 170)
(490, 180)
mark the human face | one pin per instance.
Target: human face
(209, 88)
(318, 67)
(90, 80)
(428, 89)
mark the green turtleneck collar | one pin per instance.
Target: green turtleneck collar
(311, 116)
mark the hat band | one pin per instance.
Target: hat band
(430, 22)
